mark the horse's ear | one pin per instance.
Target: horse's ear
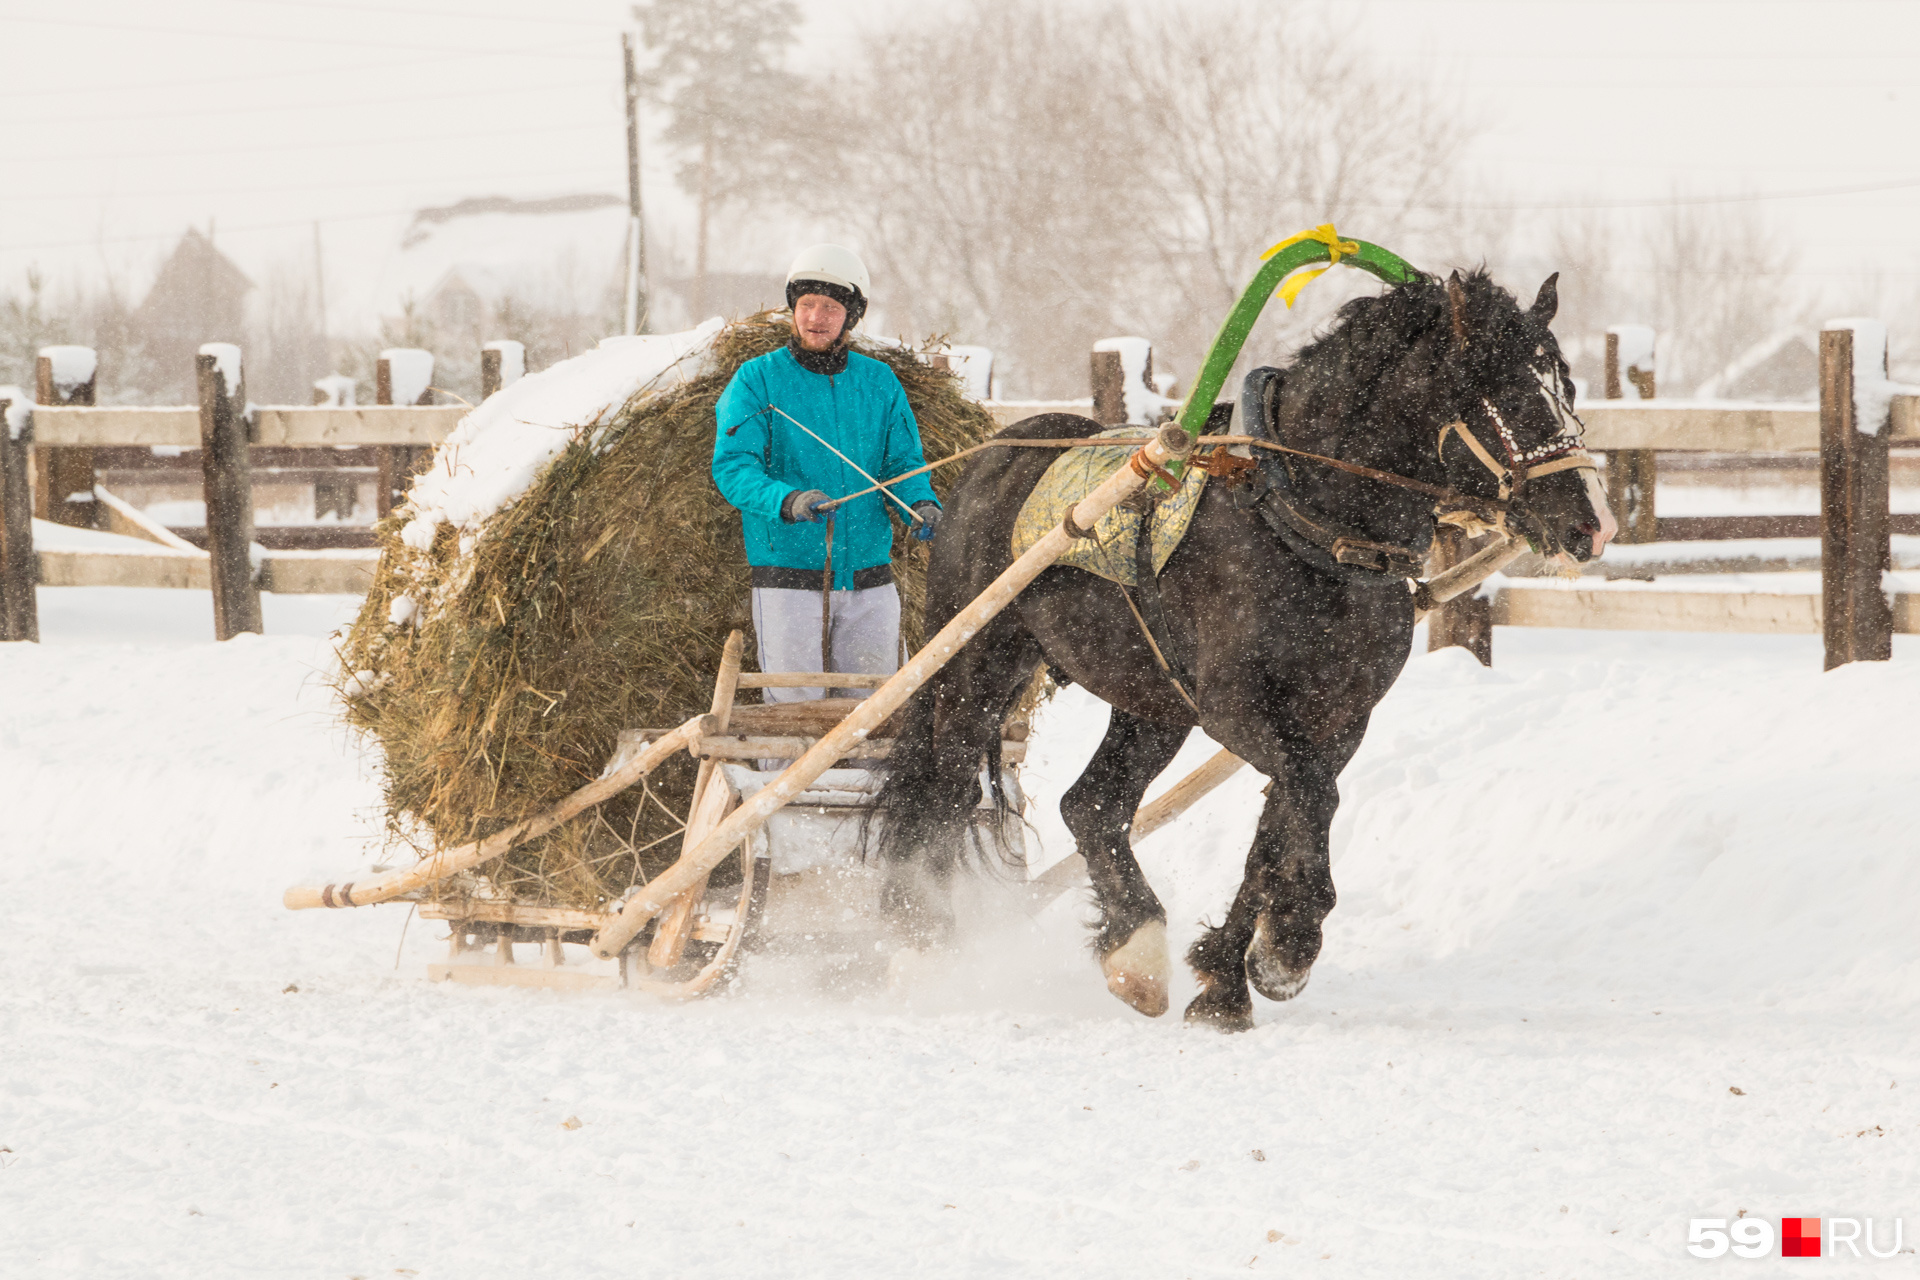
(1547, 304)
(1457, 305)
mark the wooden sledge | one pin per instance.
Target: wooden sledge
(724, 821)
(696, 942)
(721, 822)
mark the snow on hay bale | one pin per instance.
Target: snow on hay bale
(566, 570)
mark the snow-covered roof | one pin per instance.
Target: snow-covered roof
(562, 253)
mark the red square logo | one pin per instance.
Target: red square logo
(1799, 1237)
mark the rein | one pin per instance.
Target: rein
(1484, 506)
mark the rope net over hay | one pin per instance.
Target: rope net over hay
(496, 666)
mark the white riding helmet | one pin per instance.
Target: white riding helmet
(836, 267)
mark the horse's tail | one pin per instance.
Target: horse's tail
(927, 810)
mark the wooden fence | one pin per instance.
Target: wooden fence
(47, 467)
(1853, 611)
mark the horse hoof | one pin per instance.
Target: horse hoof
(1137, 970)
(1270, 976)
(1216, 1017)
(1221, 1005)
(1275, 982)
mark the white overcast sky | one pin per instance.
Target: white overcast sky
(125, 121)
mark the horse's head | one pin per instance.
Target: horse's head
(1512, 432)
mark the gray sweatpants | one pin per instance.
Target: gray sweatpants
(865, 637)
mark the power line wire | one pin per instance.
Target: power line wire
(409, 181)
(72, 154)
(1811, 193)
(335, 104)
(458, 16)
(93, 86)
(215, 34)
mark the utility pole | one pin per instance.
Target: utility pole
(320, 281)
(636, 315)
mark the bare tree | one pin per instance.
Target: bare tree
(732, 105)
(1719, 284)
(1035, 178)
(1281, 126)
(1586, 248)
(982, 156)
(286, 345)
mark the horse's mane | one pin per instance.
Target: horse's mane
(1348, 364)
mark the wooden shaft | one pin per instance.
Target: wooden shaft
(845, 740)
(227, 484)
(1147, 819)
(676, 926)
(19, 569)
(809, 680)
(441, 865)
(1184, 794)
(489, 372)
(792, 746)
(1469, 573)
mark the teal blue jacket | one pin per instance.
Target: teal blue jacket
(760, 456)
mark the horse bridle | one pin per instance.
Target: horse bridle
(1566, 452)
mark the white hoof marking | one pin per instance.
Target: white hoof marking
(1274, 981)
(1137, 970)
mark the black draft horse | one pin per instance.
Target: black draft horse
(1285, 611)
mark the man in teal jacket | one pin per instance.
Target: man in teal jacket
(796, 428)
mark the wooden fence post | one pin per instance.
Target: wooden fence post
(1111, 380)
(401, 377)
(64, 477)
(1109, 398)
(1854, 521)
(503, 362)
(1465, 620)
(1631, 473)
(227, 482)
(19, 571)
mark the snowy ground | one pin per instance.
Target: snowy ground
(1626, 937)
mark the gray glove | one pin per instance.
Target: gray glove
(802, 505)
(929, 513)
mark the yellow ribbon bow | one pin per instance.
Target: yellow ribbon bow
(1297, 280)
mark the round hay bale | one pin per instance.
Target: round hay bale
(504, 646)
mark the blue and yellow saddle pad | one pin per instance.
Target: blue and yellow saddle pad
(1109, 553)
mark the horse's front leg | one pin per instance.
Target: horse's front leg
(1271, 935)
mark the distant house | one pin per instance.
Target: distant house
(458, 264)
(199, 296)
(464, 300)
(1783, 366)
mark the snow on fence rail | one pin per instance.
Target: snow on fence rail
(47, 469)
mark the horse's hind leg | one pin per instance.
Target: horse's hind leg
(930, 798)
(1131, 936)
